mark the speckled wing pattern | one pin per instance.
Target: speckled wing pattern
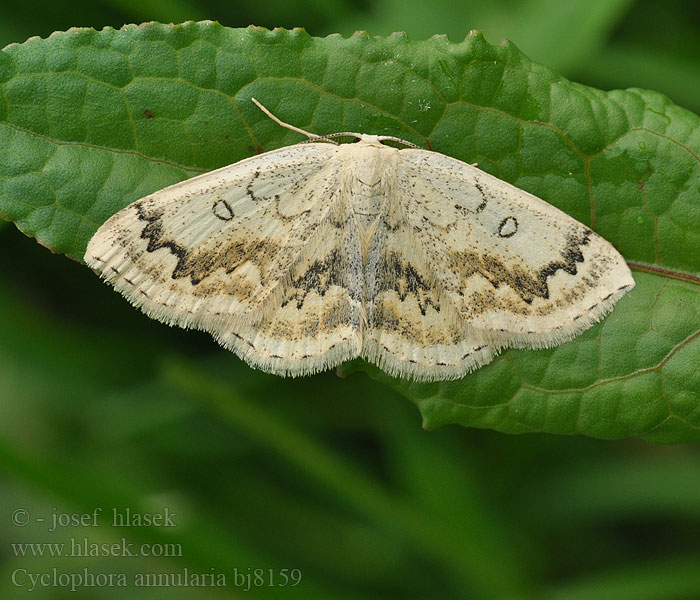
(308, 256)
(217, 249)
(517, 270)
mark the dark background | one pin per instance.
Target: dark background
(102, 408)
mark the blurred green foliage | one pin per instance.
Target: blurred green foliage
(100, 407)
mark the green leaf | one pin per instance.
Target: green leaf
(90, 121)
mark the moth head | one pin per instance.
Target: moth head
(365, 138)
(372, 140)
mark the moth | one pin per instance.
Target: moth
(310, 255)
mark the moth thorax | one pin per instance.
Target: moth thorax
(371, 180)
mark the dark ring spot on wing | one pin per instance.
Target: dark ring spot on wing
(222, 210)
(508, 227)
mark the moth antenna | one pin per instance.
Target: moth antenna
(282, 123)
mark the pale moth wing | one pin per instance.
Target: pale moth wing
(213, 251)
(318, 321)
(308, 256)
(515, 268)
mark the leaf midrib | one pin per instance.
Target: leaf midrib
(661, 272)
